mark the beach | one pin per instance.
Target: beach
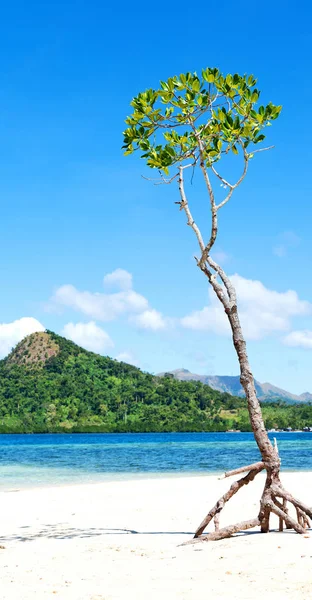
(122, 539)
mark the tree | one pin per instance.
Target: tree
(202, 123)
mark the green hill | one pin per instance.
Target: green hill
(48, 383)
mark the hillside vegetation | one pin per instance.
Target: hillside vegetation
(48, 384)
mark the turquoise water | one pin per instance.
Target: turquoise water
(54, 459)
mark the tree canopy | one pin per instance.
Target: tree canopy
(218, 115)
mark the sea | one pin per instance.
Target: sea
(39, 460)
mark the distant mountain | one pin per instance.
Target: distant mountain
(306, 397)
(223, 383)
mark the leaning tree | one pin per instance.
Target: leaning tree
(203, 123)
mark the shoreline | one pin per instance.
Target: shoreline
(128, 477)
(121, 540)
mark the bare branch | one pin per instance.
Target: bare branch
(262, 149)
(214, 222)
(235, 487)
(225, 532)
(226, 199)
(163, 180)
(224, 181)
(256, 465)
(219, 290)
(184, 206)
(288, 520)
(225, 279)
(280, 491)
(217, 522)
(235, 185)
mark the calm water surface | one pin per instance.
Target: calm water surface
(53, 459)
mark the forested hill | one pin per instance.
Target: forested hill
(48, 383)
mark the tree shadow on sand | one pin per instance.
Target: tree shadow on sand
(59, 531)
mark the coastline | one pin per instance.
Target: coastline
(126, 477)
(121, 539)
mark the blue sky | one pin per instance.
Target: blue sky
(74, 209)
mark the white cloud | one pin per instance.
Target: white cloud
(104, 307)
(127, 357)
(299, 339)
(88, 335)
(262, 311)
(149, 319)
(12, 333)
(120, 279)
(109, 306)
(210, 318)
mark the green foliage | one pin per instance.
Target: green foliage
(78, 391)
(217, 114)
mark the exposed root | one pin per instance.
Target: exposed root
(264, 517)
(282, 507)
(256, 465)
(280, 491)
(226, 497)
(292, 523)
(217, 522)
(225, 532)
(306, 523)
(274, 500)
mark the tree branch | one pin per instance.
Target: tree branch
(225, 532)
(184, 206)
(235, 185)
(256, 465)
(235, 487)
(280, 491)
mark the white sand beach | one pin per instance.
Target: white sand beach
(120, 540)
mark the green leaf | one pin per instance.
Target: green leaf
(205, 74)
(259, 138)
(144, 145)
(251, 81)
(212, 152)
(196, 85)
(154, 126)
(129, 151)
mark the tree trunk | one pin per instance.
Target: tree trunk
(268, 452)
(273, 488)
(274, 497)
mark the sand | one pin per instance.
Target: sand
(120, 540)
